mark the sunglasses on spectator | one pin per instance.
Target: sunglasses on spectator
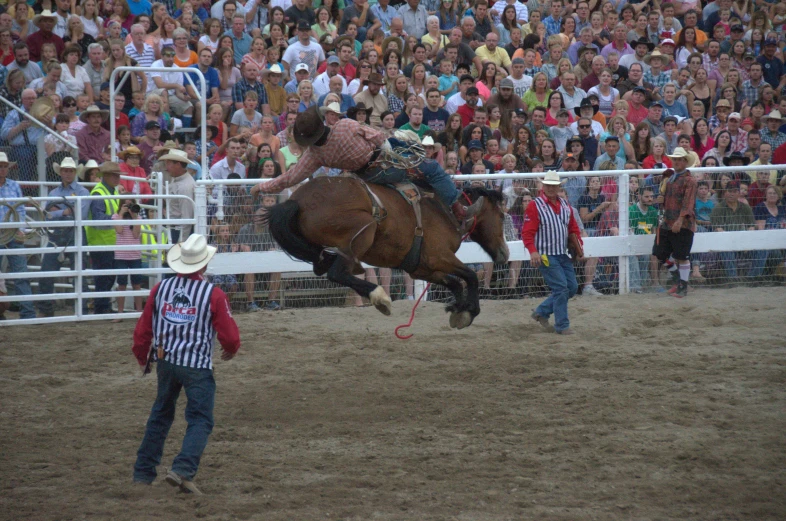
(365, 66)
(585, 126)
(69, 105)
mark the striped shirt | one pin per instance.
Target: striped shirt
(547, 226)
(183, 315)
(143, 59)
(125, 237)
(182, 322)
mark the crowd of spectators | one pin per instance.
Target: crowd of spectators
(503, 86)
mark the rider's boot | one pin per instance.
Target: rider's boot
(465, 213)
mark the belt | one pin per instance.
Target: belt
(368, 166)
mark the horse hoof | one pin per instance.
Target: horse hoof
(463, 319)
(454, 319)
(380, 300)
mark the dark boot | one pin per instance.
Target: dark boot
(682, 289)
(675, 281)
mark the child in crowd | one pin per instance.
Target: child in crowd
(704, 206)
(128, 235)
(138, 99)
(493, 154)
(448, 82)
(52, 144)
(222, 240)
(562, 132)
(451, 163)
(123, 139)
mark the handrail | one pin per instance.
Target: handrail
(38, 122)
(202, 93)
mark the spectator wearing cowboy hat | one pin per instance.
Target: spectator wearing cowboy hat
(675, 237)
(182, 184)
(360, 113)
(63, 210)
(93, 139)
(132, 158)
(98, 235)
(657, 73)
(772, 133)
(738, 159)
(331, 114)
(372, 98)
(196, 312)
(16, 263)
(640, 49)
(586, 110)
(549, 233)
(45, 21)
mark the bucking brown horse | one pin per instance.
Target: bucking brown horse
(334, 223)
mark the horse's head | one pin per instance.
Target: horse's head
(488, 229)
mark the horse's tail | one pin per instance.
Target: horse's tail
(283, 221)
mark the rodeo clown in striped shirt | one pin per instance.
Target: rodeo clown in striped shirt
(182, 317)
(549, 231)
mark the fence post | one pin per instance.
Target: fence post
(41, 160)
(78, 287)
(623, 191)
(200, 196)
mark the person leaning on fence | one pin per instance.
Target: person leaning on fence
(22, 134)
(177, 329)
(675, 234)
(550, 230)
(182, 184)
(60, 209)
(103, 210)
(11, 238)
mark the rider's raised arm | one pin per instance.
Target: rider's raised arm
(306, 165)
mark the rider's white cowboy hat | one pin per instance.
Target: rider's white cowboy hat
(68, 162)
(190, 256)
(175, 155)
(552, 178)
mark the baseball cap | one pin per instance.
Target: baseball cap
(640, 89)
(667, 41)
(733, 185)
(737, 28)
(735, 115)
(301, 67)
(506, 83)
(152, 124)
(770, 41)
(520, 112)
(473, 91)
(333, 59)
(303, 25)
(571, 156)
(466, 77)
(656, 104)
(105, 86)
(475, 144)
(749, 54)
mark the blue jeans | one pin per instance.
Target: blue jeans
(18, 264)
(561, 278)
(443, 185)
(201, 392)
(729, 260)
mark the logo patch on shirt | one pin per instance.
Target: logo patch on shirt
(180, 310)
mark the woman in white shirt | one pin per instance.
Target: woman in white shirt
(74, 76)
(93, 24)
(212, 35)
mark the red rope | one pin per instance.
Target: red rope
(412, 313)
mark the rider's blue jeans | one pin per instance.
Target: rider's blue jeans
(443, 185)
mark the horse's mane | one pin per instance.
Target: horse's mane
(476, 192)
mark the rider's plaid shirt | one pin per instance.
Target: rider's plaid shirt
(349, 146)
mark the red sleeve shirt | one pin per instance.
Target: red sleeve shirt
(225, 326)
(532, 223)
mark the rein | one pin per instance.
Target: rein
(417, 303)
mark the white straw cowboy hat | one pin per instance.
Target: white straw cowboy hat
(190, 256)
(664, 58)
(93, 109)
(681, 153)
(4, 159)
(69, 162)
(331, 107)
(774, 115)
(46, 13)
(552, 178)
(175, 155)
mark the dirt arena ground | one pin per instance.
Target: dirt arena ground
(656, 409)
